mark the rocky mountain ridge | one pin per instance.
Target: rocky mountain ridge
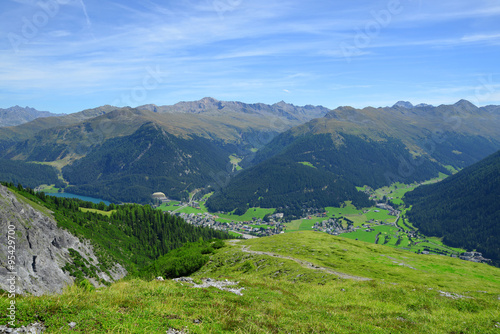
(41, 250)
(18, 115)
(209, 104)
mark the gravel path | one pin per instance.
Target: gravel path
(303, 263)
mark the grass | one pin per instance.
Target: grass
(170, 207)
(247, 216)
(259, 226)
(374, 261)
(36, 206)
(281, 296)
(235, 160)
(104, 213)
(49, 189)
(301, 224)
(306, 163)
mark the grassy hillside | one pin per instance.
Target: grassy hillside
(299, 294)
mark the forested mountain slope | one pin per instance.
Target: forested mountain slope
(287, 185)
(464, 209)
(131, 168)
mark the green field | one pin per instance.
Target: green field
(302, 224)
(259, 226)
(348, 209)
(306, 163)
(234, 234)
(370, 236)
(248, 216)
(104, 213)
(235, 162)
(49, 189)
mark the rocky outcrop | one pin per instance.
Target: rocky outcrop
(41, 248)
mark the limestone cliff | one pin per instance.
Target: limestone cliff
(41, 248)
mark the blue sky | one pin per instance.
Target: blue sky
(69, 55)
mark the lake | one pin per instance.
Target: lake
(83, 198)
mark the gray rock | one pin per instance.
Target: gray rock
(72, 324)
(41, 249)
(34, 328)
(208, 282)
(177, 331)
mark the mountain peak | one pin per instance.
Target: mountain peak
(208, 100)
(403, 104)
(465, 105)
(424, 105)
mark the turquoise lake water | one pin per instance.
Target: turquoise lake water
(83, 198)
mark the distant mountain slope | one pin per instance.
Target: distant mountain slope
(338, 166)
(456, 135)
(464, 209)
(28, 174)
(29, 129)
(287, 185)
(131, 168)
(71, 136)
(18, 115)
(208, 123)
(282, 109)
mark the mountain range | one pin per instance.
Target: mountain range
(125, 154)
(370, 146)
(18, 115)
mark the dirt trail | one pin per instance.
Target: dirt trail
(303, 263)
